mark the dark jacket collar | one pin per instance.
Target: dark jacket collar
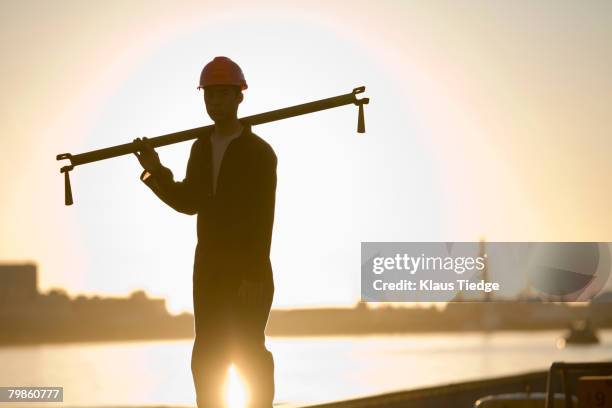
(246, 132)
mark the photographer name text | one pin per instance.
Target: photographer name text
(429, 285)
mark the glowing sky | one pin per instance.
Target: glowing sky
(488, 118)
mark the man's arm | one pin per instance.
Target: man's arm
(182, 196)
(258, 216)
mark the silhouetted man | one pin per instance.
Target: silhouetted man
(230, 183)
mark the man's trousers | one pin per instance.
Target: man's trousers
(230, 331)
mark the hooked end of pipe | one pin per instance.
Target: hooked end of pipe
(361, 115)
(67, 187)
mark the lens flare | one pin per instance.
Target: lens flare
(235, 389)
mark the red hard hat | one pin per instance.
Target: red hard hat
(222, 71)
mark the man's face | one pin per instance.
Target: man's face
(222, 101)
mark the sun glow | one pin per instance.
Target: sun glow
(235, 389)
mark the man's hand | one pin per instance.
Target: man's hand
(147, 156)
(251, 293)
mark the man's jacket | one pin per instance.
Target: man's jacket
(234, 225)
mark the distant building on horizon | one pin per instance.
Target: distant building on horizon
(19, 295)
(18, 282)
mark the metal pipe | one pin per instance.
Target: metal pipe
(177, 137)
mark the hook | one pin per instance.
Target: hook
(67, 187)
(361, 116)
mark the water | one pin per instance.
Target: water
(308, 369)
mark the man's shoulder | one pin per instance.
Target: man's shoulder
(203, 138)
(260, 146)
